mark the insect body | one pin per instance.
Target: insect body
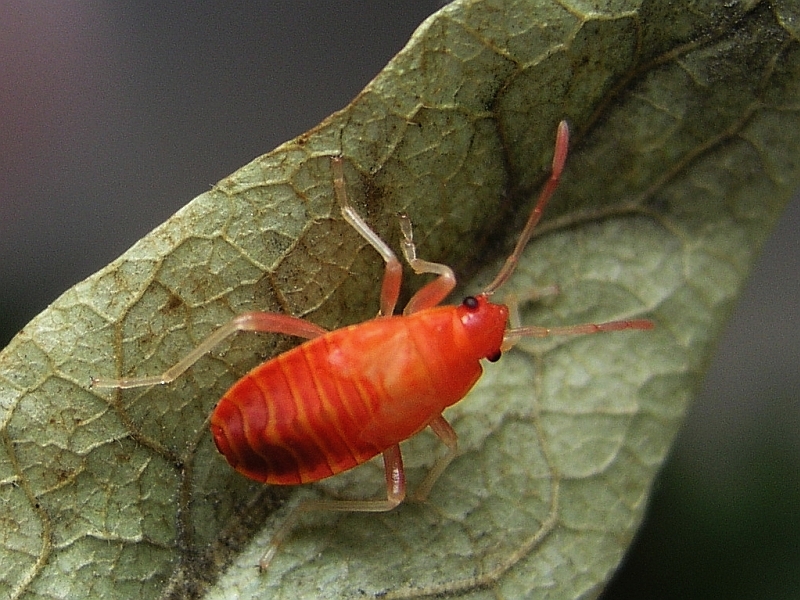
(339, 399)
(345, 396)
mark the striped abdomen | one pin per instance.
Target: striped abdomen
(336, 401)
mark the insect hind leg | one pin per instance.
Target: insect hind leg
(252, 321)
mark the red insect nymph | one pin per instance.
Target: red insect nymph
(345, 396)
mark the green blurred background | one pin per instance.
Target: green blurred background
(113, 117)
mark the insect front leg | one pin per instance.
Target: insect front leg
(393, 273)
(395, 494)
(437, 290)
(447, 434)
(513, 300)
(252, 321)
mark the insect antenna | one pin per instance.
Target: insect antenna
(559, 158)
(513, 334)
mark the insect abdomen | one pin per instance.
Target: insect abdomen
(282, 423)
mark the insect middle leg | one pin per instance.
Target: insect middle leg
(395, 493)
(393, 273)
(432, 293)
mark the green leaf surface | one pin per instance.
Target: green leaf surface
(685, 120)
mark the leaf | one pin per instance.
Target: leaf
(685, 151)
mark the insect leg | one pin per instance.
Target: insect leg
(393, 273)
(395, 493)
(251, 321)
(447, 434)
(437, 290)
(513, 300)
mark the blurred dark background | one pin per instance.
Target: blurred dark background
(113, 117)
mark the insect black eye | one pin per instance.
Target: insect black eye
(470, 303)
(494, 357)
